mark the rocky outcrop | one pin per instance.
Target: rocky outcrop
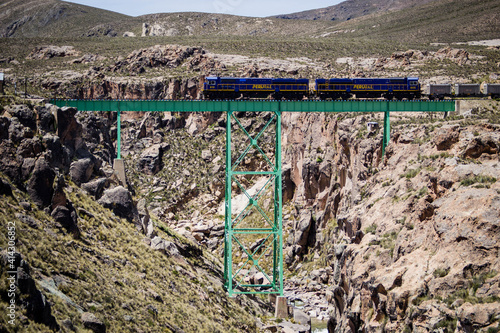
(91, 322)
(39, 162)
(96, 187)
(37, 307)
(126, 88)
(40, 183)
(51, 51)
(169, 56)
(151, 160)
(390, 232)
(482, 145)
(408, 59)
(445, 138)
(52, 165)
(119, 200)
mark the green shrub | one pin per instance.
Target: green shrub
(441, 272)
(482, 179)
(412, 173)
(371, 229)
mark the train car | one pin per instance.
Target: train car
(389, 88)
(438, 91)
(492, 90)
(467, 90)
(244, 88)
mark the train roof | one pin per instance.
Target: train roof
(252, 78)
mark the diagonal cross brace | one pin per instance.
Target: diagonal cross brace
(273, 229)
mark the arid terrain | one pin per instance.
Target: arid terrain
(405, 241)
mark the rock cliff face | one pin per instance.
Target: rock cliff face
(104, 82)
(410, 238)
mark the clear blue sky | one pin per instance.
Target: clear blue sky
(257, 8)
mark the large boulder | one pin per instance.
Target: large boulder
(40, 183)
(68, 218)
(91, 322)
(301, 317)
(46, 119)
(164, 246)
(55, 153)
(481, 145)
(119, 200)
(96, 187)
(81, 170)
(151, 159)
(25, 115)
(68, 129)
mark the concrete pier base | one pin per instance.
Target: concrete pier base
(119, 168)
(457, 107)
(281, 307)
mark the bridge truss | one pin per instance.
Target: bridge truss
(253, 239)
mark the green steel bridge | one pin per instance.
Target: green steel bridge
(270, 230)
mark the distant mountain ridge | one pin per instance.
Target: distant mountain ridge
(401, 20)
(53, 18)
(350, 9)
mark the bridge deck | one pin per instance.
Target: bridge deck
(258, 105)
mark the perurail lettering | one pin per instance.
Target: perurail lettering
(363, 87)
(262, 86)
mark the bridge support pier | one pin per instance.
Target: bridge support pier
(281, 307)
(119, 169)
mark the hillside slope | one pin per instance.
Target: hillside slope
(381, 21)
(437, 21)
(350, 9)
(86, 255)
(54, 18)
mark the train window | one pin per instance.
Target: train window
(413, 83)
(212, 83)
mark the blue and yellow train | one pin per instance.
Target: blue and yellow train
(216, 88)
(236, 88)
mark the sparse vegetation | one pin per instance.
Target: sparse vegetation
(412, 173)
(441, 272)
(481, 179)
(114, 263)
(388, 241)
(371, 229)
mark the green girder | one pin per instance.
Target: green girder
(273, 231)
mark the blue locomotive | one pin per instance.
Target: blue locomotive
(388, 88)
(216, 87)
(237, 88)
